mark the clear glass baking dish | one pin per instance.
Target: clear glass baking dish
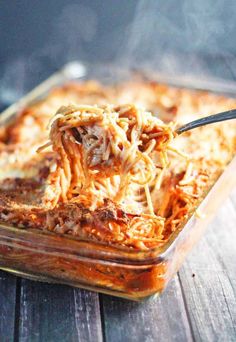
(127, 273)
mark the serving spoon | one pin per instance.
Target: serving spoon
(228, 115)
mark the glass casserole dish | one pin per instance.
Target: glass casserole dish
(105, 268)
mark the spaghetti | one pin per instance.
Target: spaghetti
(108, 152)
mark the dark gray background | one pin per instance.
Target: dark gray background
(184, 37)
(177, 37)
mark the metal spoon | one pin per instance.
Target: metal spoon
(228, 115)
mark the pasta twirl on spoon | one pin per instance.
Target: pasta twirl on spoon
(114, 152)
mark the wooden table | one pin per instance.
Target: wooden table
(199, 303)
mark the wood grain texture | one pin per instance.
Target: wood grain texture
(211, 294)
(160, 319)
(58, 313)
(7, 306)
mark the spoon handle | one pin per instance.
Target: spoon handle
(228, 115)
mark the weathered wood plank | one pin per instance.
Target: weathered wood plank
(87, 316)
(211, 294)
(160, 319)
(7, 306)
(58, 313)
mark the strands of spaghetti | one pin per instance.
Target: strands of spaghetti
(104, 151)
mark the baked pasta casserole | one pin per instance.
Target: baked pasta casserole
(102, 163)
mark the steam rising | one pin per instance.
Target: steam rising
(183, 38)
